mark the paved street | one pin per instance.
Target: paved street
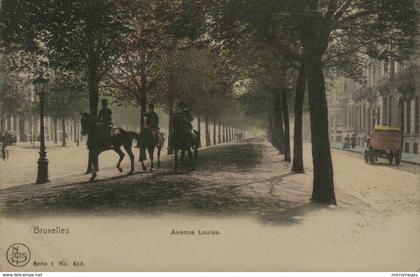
(72, 161)
(248, 169)
(239, 189)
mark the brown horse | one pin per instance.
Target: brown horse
(97, 144)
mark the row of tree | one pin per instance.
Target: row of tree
(213, 53)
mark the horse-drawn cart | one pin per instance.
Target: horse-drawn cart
(385, 142)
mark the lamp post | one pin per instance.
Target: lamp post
(40, 84)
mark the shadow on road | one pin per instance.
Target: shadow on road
(202, 192)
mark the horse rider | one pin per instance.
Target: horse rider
(185, 115)
(152, 119)
(105, 121)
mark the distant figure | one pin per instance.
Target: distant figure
(367, 143)
(105, 121)
(346, 144)
(3, 150)
(353, 141)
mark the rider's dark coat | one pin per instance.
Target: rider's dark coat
(152, 120)
(105, 117)
(186, 115)
(105, 124)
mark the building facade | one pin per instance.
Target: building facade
(390, 97)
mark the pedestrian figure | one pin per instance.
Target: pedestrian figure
(353, 141)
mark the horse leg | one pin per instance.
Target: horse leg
(158, 154)
(190, 156)
(140, 154)
(195, 156)
(143, 166)
(94, 156)
(182, 155)
(127, 148)
(90, 163)
(121, 154)
(151, 151)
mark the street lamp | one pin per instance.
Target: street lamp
(40, 84)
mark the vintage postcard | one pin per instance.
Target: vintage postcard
(209, 135)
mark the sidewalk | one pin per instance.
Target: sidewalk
(406, 157)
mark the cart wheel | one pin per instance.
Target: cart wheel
(390, 157)
(366, 155)
(397, 158)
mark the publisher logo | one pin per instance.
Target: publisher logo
(18, 254)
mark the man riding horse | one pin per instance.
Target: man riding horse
(102, 137)
(105, 122)
(184, 138)
(150, 137)
(152, 119)
(185, 115)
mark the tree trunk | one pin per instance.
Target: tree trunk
(93, 83)
(207, 127)
(224, 134)
(297, 166)
(2, 128)
(285, 109)
(143, 100)
(78, 137)
(63, 126)
(170, 127)
(278, 131)
(199, 130)
(22, 134)
(55, 130)
(323, 181)
(219, 134)
(32, 127)
(214, 132)
(74, 130)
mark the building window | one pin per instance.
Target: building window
(407, 147)
(415, 148)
